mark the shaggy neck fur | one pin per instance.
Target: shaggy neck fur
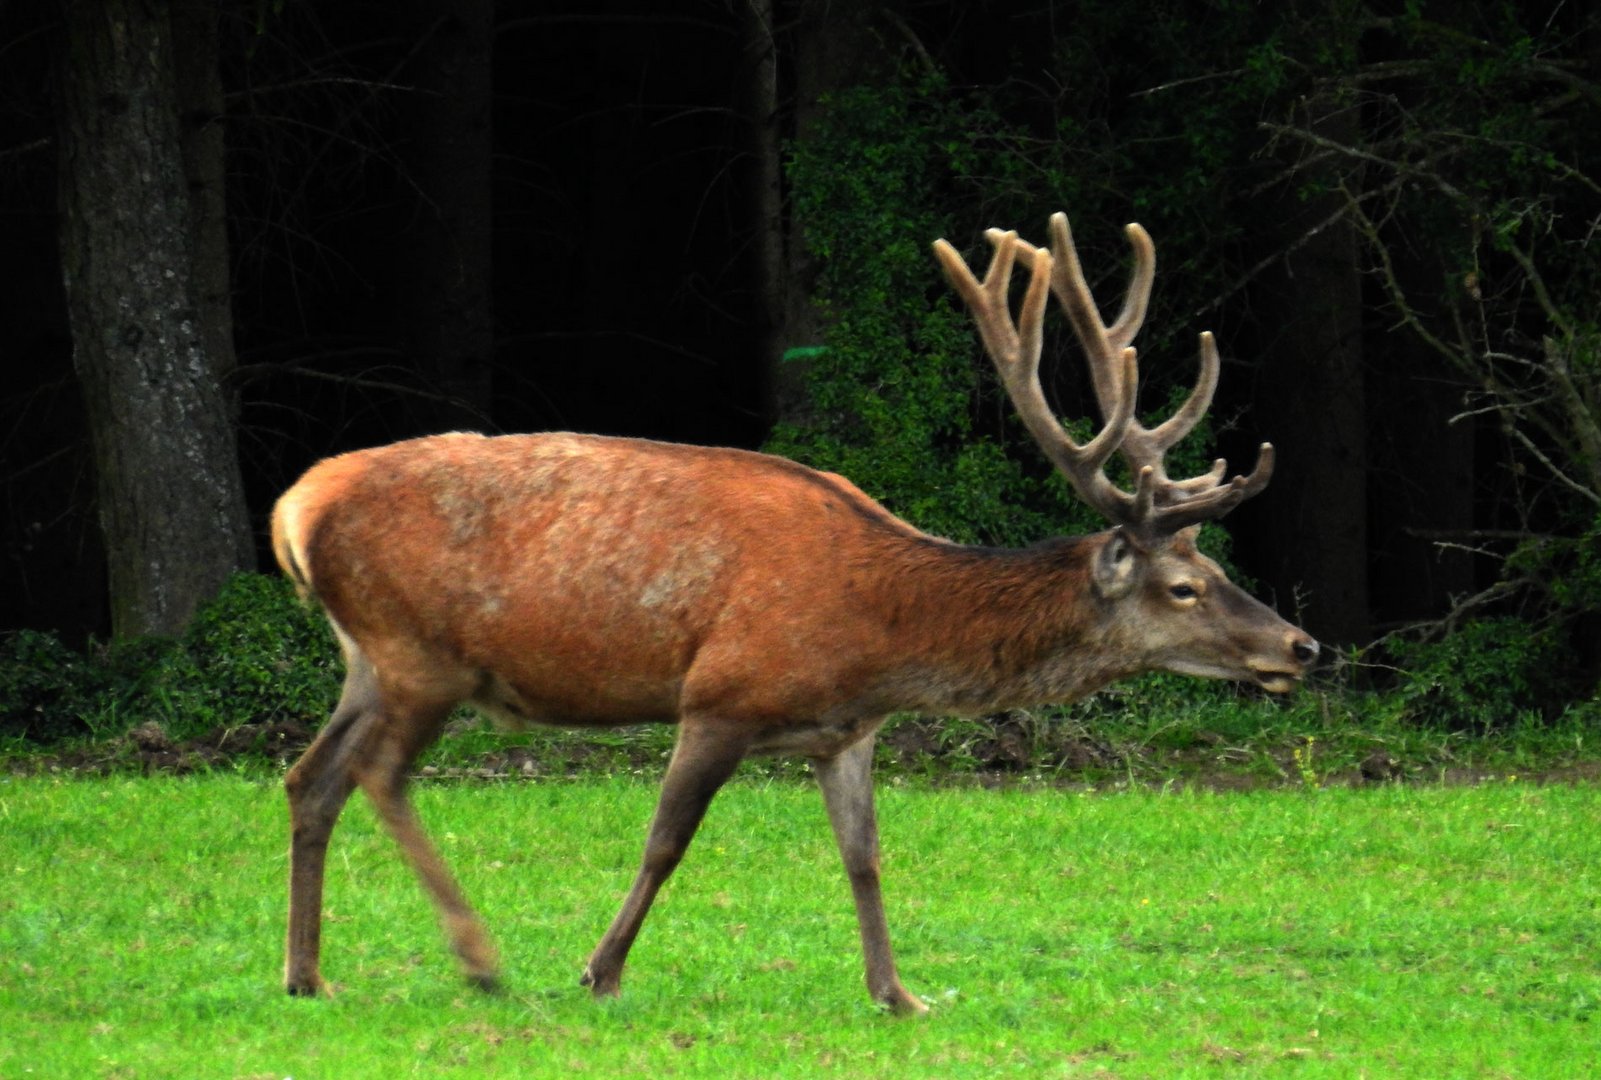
(990, 629)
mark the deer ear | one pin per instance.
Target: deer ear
(1116, 566)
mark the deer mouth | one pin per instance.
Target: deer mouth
(1276, 682)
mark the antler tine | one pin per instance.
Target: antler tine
(1102, 343)
(1138, 296)
(1170, 431)
(1071, 287)
(1142, 447)
(1216, 501)
(1148, 446)
(1015, 351)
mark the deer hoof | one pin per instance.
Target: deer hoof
(312, 987)
(902, 1002)
(601, 986)
(487, 981)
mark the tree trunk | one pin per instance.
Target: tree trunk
(761, 115)
(445, 273)
(1422, 464)
(171, 505)
(202, 116)
(1311, 396)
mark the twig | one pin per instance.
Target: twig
(22, 149)
(1191, 81)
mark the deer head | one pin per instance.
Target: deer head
(1149, 561)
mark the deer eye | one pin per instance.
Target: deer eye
(1183, 592)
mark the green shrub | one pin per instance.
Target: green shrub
(253, 654)
(47, 690)
(1488, 673)
(256, 653)
(898, 400)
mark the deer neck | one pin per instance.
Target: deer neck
(997, 629)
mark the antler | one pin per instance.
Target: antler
(1015, 349)
(1159, 503)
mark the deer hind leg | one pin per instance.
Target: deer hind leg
(383, 773)
(317, 787)
(846, 780)
(704, 757)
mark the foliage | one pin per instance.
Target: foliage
(46, 689)
(256, 652)
(1569, 567)
(1488, 673)
(1477, 212)
(895, 399)
(252, 654)
(1306, 765)
(902, 400)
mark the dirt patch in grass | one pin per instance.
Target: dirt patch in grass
(1002, 750)
(147, 748)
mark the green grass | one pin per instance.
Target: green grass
(1387, 932)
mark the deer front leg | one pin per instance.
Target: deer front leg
(704, 757)
(847, 783)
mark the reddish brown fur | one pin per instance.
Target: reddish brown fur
(760, 605)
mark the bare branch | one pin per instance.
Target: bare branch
(1194, 80)
(24, 149)
(1552, 467)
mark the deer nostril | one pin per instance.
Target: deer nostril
(1305, 650)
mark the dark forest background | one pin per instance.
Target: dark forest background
(237, 236)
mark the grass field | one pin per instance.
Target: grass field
(1386, 932)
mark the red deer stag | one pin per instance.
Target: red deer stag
(762, 606)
